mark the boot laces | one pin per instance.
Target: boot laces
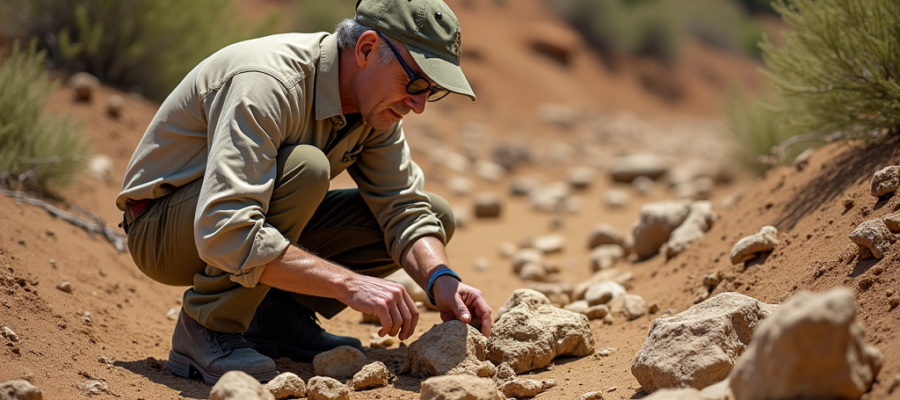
(231, 341)
(306, 319)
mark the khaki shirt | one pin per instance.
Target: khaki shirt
(225, 123)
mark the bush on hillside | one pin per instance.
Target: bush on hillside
(48, 149)
(723, 24)
(840, 64)
(146, 45)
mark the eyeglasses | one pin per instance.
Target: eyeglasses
(418, 84)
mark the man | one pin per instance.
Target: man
(228, 190)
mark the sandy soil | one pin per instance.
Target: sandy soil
(59, 350)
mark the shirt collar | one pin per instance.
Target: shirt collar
(328, 94)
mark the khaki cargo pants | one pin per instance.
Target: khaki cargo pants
(336, 225)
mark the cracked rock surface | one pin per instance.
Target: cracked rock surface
(873, 238)
(450, 348)
(460, 387)
(749, 247)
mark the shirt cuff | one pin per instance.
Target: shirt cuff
(426, 226)
(268, 244)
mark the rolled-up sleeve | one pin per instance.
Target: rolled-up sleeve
(247, 119)
(392, 185)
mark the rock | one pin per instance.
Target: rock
(697, 223)
(92, 388)
(487, 205)
(810, 347)
(504, 374)
(84, 85)
(892, 221)
(626, 169)
(520, 387)
(559, 294)
(340, 363)
(643, 185)
(65, 287)
(533, 272)
(605, 256)
(596, 312)
(580, 178)
(449, 159)
(460, 186)
(603, 292)
(749, 247)
(20, 390)
(286, 386)
(512, 154)
(481, 264)
(459, 387)
(372, 375)
(554, 197)
(522, 186)
(873, 238)
(507, 249)
(114, 106)
(656, 223)
(378, 342)
(615, 198)
(526, 256)
(461, 216)
(450, 348)
(634, 306)
(699, 346)
(531, 332)
(580, 306)
(703, 188)
(552, 243)
(604, 234)
(802, 160)
(325, 388)
(490, 171)
(622, 278)
(9, 334)
(675, 394)
(172, 314)
(101, 168)
(886, 181)
(710, 281)
(596, 395)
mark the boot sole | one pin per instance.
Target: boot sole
(185, 367)
(275, 350)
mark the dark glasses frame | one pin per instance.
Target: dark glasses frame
(418, 84)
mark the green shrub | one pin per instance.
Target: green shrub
(30, 140)
(840, 64)
(723, 24)
(147, 45)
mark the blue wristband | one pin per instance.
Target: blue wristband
(440, 272)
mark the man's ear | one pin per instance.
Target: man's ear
(365, 48)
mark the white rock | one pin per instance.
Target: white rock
(101, 167)
(460, 185)
(622, 278)
(373, 375)
(325, 388)
(114, 106)
(596, 312)
(580, 306)
(615, 198)
(9, 334)
(749, 247)
(461, 216)
(552, 243)
(481, 264)
(172, 314)
(604, 234)
(507, 249)
(20, 390)
(581, 177)
(603, 292)
(643, 185)
(84, 85)
(626, 169)
(522, 186)
(697, 223)
(487, 205)
(605, 256)
(287, 386)
(520, 387)
(533, 272)
(657, 222)
(526, 256)
(460, 387)
(449, 348)
(449, 159)
(65, 287)
(810, 347)
(490, 171)
(886, 181)
(341, 362)
(873, 238)
(633, 306)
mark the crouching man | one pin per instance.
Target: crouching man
(228, 190)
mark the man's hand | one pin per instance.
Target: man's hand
(456, 300)
(387, 300)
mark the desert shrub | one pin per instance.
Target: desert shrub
(723, 24)
(322, 16)
(840, 63)
(146, 45)
(32, 143)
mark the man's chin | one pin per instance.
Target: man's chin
(380, 123)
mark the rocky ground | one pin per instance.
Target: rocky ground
(570, 139)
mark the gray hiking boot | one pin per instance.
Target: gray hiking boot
(282, 327)
(198, 350)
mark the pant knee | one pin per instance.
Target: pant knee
(303, 167)
(441, 208)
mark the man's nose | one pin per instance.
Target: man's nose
(417, 102)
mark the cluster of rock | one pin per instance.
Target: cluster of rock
(874, 237)
(669, 227)
(527, 259)
(735, 347)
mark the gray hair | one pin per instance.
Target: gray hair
(348, 32)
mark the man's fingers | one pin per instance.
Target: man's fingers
(385, 317)
(410, 320)
(461, 309)
(397, 319)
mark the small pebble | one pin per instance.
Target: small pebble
(612, 389)
(53, 263)
(65, 287)
(173, 312)
(889, 293)
(481, 264)
(895, 302)
(104, 360)
(27, 376)
(86, 317)
(9, 334)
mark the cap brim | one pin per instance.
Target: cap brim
(445, 74)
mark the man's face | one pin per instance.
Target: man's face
(381, 89)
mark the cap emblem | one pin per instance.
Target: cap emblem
(456, 48)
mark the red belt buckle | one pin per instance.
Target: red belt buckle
(137, 208)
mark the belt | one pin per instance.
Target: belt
(134, 209)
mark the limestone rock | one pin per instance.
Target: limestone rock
(605, 256)
(340, 363)
(286, 386)
(101, 168)
(450, 348)
(622, 278)
(84, 85)
(533, 272)
(698, 346)
(94, 387)
(892, 221)
(596, 312)
(507, 249)
(460, 186)
(603, 292)
(65, 287)
(520, 387)
(372, 375)
(559, 294)
(873, 238)
(489, 171)
(378, 342)
(532, 332)
(325, 388)
(504, 374)
(749, 247)
(626, 169)
(554, 197)
(512, 154)
(237, 385)
(886, 181)
(522, 186)
(615, 198)
(604, 234)
(114, 106)
(580, 306)
(526, 256)
(552, 243)
(634, 306)
(20, 390)
(810, 347)
(656, 224)
(595, 395)
(581, 177)
(460, 387)
(697, 223)
(8, 333)
(643, 185)
(487, 205)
